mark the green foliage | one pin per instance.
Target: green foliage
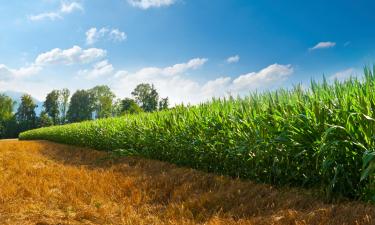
(6, 107)
(129, 106)
(25, 115)
(11, 128)
(80, 108)
(64, 103)
(51, 105)
(44, 120)
(102, 101)
(322, 137)
(164, 103)
(6, 115)
(147, 97)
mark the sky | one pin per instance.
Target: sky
(191, 50)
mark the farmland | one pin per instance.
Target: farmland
(321, 137)
(46, 183)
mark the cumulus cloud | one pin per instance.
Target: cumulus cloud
(100, 69)
(146, 4)
(172, 81)
(323, 45)
(264, 78)
(93, 35)
(65, 8)
(233, 59)
(7, 73)
(74, 55)
(343, 75)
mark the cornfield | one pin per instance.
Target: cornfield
(321, 137)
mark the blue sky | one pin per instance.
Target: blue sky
(191, 50)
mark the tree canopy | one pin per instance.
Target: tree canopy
(80, 107)
(51, 105)
(102, 101)
(146, 96)
(59, 108)
(26, 115)
(129, 106)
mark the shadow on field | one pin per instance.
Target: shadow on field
(187, 194)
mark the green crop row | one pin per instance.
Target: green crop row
(321, 137)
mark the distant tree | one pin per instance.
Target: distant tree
(146, 96)
(11, 128)
(26, 117)
(116, 108)
(164, 103)
(102, 97)
(44, 120)
(51, 105)
(64, 103)
(6, 114)
(129, 105)
(6, 107)
(80, 107)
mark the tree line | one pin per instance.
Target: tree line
(60, 107)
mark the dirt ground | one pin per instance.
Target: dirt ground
(45, 183)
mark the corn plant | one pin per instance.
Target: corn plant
(321, 137)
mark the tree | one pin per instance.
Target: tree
(64, 103)
(116, 108)
(129, 105)
(6, 107)
(11, 128)
(102, 97)
(44, 120)
(146, 96)
(6, 115)
(80, 107)
(51, 105)
(164, 103)
(25, 115)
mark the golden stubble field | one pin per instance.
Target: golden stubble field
(45, 183)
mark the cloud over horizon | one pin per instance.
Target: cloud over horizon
(172, 81)
(7, 73)
(343, 75)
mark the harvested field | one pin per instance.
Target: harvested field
(46, 183)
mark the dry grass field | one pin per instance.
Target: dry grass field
(45, 183)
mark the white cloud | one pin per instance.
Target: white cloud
(42, 16)
(117, 35)
(183, 67)
(70, 7)
(7, 73)
(323, 45)
(172, 81)
(93, 35)
(100, 69)
(65, 8)
(233, 59)
(264, 78)
(146, 4)
(74, 55)
(343, 75)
